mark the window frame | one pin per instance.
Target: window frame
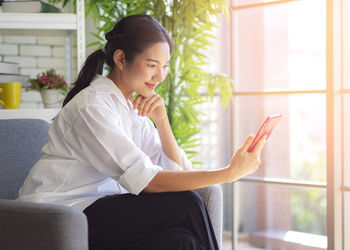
(334, 93)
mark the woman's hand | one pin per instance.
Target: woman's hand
(152, 106)
(244, 163)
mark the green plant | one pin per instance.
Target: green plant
(48, 80)
(191, 25)
(308, 206)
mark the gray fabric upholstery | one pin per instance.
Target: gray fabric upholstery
(26, 225)
(212, 197)
(21, 142)
(34, 226)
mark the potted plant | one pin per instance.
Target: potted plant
(51, 86)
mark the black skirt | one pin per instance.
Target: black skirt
(164, 221)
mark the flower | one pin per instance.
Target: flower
(48, 80)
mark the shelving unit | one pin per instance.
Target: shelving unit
(49, 21)
(50, 24)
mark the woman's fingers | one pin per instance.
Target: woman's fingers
(144, 105)
(132, 100)
(157, 101)
(137, 102)
(243, 162)
(247, 143)
(149, 104)
(141, 106)
(258, 148)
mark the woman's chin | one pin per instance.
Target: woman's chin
(147, 93)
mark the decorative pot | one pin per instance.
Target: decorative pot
(51, 98)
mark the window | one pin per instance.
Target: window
(346, 121)
(347, 170)
(291, 57)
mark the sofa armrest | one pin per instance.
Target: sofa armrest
(33, 226)
(212, 197)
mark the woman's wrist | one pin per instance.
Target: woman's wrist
(161, 121)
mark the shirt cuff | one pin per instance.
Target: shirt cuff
(185, 161)
(136, 177)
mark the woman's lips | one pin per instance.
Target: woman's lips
(151, 86)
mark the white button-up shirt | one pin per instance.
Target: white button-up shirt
(97, 146)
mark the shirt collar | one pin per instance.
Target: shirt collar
(104, 85)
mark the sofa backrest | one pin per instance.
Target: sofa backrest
(20, 143)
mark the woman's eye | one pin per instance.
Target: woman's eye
(151, 65)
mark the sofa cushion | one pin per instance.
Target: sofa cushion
(20, 145)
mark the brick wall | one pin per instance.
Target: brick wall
(35, 54)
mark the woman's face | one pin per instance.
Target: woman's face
(146, 71)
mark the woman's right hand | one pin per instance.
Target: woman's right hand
(244, 163)
(152, 106)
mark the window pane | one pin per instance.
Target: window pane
(284, 54)
(297, 147)
(210, 137)
(346, 44)
(347, 140)
(347, 220)
(280, 217)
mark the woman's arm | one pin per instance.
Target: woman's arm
(168, 141)
(242, 164)
(154, 108)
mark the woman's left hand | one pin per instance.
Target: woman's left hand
(152, 106)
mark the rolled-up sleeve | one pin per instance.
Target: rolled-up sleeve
(99, 140)
(152, 146)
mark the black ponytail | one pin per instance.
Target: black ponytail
(132, 34)
(93, 65)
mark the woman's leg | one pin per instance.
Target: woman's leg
(166, 240)
(119, 221)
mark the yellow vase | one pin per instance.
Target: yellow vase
(10, 95)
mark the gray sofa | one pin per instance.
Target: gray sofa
(34, 226)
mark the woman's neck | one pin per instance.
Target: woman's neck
(115, 77)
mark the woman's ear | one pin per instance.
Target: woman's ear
(119, 59)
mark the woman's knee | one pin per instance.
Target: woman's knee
(170, 241)
(180, 241)
(192, 198)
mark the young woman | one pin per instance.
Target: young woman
(106, 158)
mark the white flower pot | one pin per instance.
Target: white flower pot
(52, 98)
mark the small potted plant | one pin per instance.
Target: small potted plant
(51, 86)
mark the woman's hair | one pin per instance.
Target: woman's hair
(132, 34)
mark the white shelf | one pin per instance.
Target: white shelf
(44, 114)
(44, 21)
